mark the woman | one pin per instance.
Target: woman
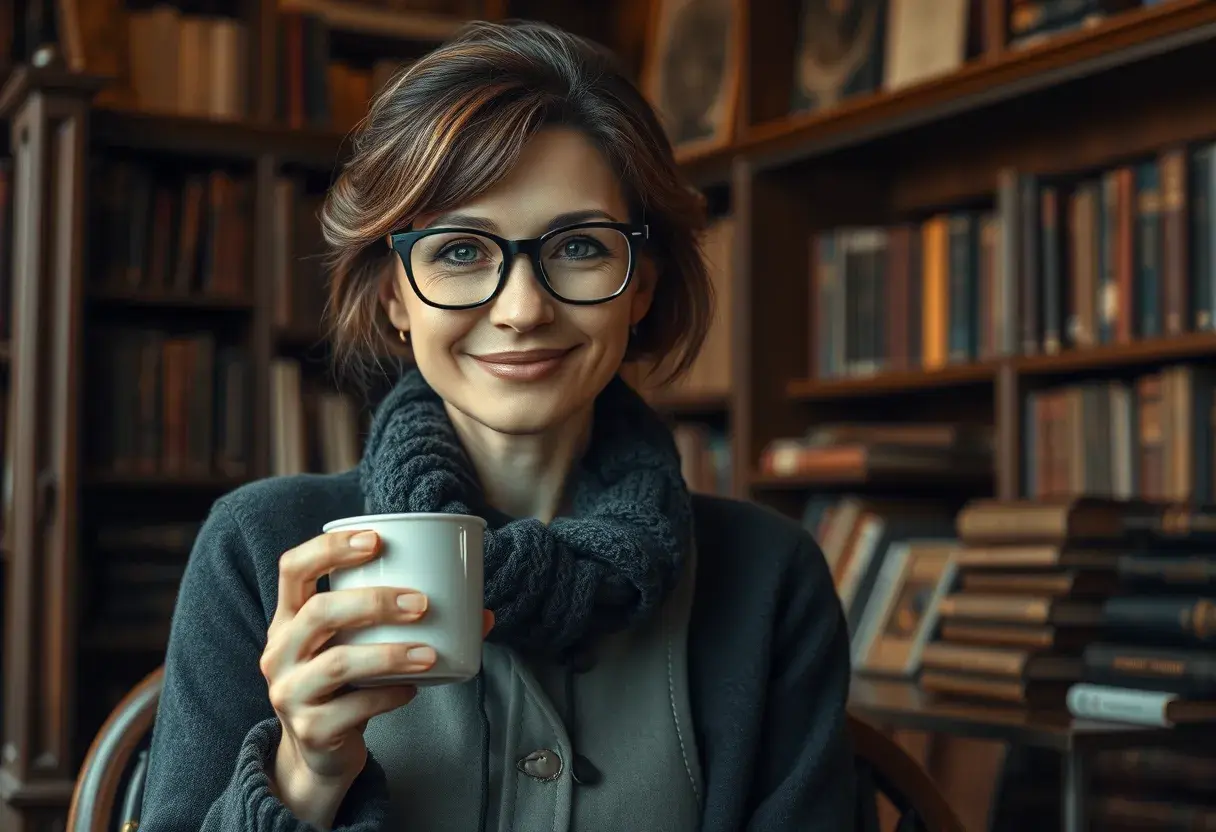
(654, 660)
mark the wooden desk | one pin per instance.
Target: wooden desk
(899, 704)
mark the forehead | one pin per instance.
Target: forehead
(559, 171)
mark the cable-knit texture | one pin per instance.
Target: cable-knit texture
(250, 802)
(608, 565)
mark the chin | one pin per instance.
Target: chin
(523, 412)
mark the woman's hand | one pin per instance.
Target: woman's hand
(323, 718)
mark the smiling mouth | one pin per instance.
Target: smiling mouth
(523, 365)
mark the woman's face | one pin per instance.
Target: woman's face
(525, 362)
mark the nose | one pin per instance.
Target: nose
(523, 304)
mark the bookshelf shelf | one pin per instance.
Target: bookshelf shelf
(1120, 356)
(211, 138)
(885, 384)
(380, 23)
(1124, 39)
(22, 79)
(197, 302)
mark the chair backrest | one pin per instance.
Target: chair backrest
(114, 763)
(901, 780)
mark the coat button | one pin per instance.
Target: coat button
(542, 764)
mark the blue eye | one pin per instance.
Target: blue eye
(580, 248)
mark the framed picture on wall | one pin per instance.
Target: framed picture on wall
(839, 53)
(692, 68)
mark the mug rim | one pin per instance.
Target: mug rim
(341, 522)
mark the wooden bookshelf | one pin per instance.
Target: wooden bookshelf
(1189, 347)
(1126, 87)
(1115, 357)
(892, 383)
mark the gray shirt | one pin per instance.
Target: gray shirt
(634, 723)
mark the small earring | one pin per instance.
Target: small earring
(633, 330)
(405, 339)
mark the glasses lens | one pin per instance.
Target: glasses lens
(586, 264)
(454, 268)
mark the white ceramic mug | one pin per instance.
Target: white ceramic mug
(441, 556)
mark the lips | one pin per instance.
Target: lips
(523, 365)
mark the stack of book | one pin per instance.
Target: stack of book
(1032, 581)
(893, 452)
(1154, 663)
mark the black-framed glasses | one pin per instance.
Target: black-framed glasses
(460, 268)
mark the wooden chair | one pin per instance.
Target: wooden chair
(115, 764)
(894, 774)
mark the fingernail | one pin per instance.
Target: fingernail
(421, 655)
(412, 602)
(363, 541)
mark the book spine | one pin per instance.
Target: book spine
(1174, 266)
(996, 608)
(1190, 672)
(1139, 707)
(1190, 619)
(1053, 292)
(1189, 572)
(1148, 248)
(1028, 261)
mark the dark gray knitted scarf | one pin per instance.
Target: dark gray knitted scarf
(555, 587)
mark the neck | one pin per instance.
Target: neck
(524, 476)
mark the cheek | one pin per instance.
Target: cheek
(433, 332)
(607, 326)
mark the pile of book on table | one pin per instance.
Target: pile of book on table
(1104, 607)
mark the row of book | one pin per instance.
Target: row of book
(314, 89)
(185, 63)
(317, 429)
(1061, 263)
(168, 404)
(297, 258)
(1102, 607)
(188, 234)
(170, 232)
(1149, 439)
(1113, 256)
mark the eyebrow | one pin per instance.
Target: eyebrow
(483, 224)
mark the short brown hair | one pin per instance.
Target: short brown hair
(451, 125)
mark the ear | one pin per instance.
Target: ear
(392, 288)
(643, 294)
